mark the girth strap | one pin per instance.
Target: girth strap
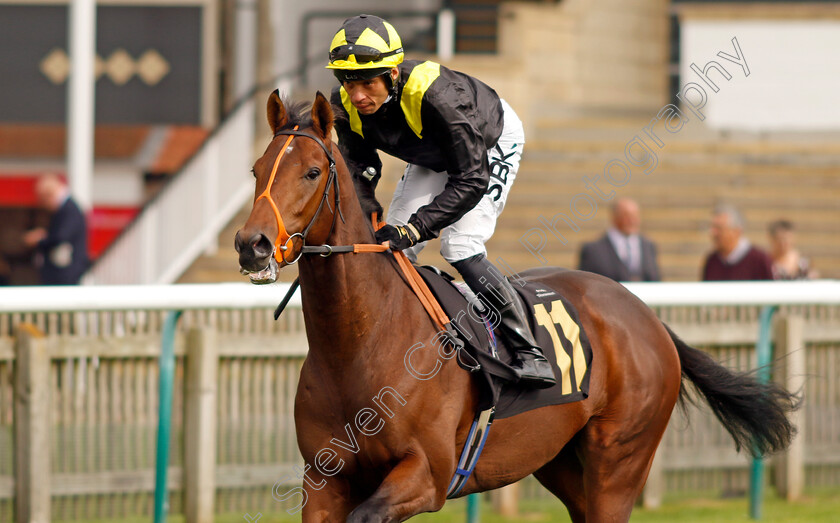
(472, 451)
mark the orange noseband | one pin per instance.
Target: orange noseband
(282, 234)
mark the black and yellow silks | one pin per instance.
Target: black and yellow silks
(439, 119)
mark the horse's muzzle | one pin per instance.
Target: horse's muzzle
(256, 258)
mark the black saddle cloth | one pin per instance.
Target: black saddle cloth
(557, 329)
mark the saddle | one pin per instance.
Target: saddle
(555, 324)
(557, 330)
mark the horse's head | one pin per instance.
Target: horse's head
(296, 198)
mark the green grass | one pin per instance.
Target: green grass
(816, 506)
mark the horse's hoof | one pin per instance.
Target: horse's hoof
(367, 514)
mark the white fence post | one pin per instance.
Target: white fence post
(790, 347)
(655, 485)
(32, 426)
(506, 500)
(200, 425)
(446, 34)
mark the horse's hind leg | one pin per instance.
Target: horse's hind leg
(617, 463)
(563, 476)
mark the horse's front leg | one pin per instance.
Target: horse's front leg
(327, 499)
(409, 489)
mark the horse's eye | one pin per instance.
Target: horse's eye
(253, 172)
(312, 174)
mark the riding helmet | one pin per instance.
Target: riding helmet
(365, 47)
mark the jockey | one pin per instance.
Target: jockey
(462, 144)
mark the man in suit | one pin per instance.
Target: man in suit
(61, 248)
(622, 254)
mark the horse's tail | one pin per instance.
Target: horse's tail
(754, 413)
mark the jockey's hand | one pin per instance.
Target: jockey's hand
(399, 237)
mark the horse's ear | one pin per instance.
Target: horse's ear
(277, 116)
(322, 116)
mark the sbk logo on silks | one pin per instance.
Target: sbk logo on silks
(499, 170)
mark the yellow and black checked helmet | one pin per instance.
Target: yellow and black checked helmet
(366, 46)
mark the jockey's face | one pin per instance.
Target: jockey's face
(367, 96)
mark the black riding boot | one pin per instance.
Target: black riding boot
(496, 291)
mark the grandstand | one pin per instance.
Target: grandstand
(768, 177)
(578, 119)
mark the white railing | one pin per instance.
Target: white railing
(188, 296)
(185, 219)
(814, 292)
(249, 296)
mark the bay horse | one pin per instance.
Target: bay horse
(380, 444)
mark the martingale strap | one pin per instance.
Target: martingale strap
(412, 277)
(279, 310)
(472, 451)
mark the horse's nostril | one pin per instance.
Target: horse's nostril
(261, 245)
(256, 247)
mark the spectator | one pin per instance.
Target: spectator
(788, 263)
(61, 248)
(622, 253)
(734, 258)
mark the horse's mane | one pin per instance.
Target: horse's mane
(300, 114)
(297, 113)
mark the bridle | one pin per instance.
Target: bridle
(282, 242)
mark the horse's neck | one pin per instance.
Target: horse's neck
(344, 294)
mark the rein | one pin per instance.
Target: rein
(413, 278)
